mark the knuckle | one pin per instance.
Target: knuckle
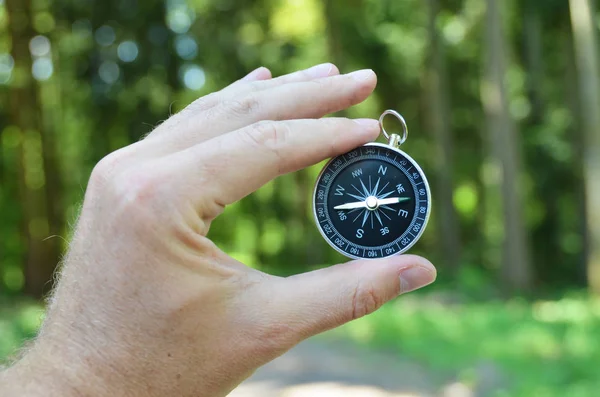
(133, 194)
(264, 133)
(365, 300)
(109, 166)
(137, 197)
(271, 135)
(138, 187)
(245, 106)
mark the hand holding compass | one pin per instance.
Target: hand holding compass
(147, 304)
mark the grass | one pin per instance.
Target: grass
(541, 348)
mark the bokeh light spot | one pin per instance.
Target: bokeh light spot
(7, 64)
(251, 33)
(465, 199)
(455, 31)
(193, 77)
(13, 278)
(43, 22)
(179, 20)
(128, 51)
(42, 69)
(39, 46)
(186, 47)
(105, 35)
(109, 72)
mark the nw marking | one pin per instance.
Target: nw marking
(357, 173)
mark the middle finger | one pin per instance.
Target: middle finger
(296, 100)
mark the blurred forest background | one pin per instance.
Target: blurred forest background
(502, 99)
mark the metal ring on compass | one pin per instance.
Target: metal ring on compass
(402, 121)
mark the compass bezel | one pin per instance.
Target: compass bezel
(400, 250)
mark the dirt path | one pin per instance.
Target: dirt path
(318, 368)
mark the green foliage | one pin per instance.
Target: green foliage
(546, 348)
(19, 322)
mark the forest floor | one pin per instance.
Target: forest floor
(318, 368)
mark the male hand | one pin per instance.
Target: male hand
(147, 305)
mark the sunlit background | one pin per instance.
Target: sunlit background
(502, 101)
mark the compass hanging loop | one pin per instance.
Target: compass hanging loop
(394, 140)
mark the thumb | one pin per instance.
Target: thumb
(327, 298)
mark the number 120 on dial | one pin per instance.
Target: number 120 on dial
(372, 202)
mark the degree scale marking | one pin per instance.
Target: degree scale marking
(372, 156)
(411, 181)
(374, 153)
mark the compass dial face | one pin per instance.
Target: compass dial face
(372, 202)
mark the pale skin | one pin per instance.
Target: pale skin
(147, 305)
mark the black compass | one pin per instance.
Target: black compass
(373, 201)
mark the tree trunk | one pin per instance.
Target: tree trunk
(41, 256)
(505, 150)
(586, 53)
(438, 121)
(578, 147)
(532, 35)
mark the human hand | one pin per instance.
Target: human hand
(148, 305)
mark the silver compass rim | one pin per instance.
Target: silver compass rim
(427, 215)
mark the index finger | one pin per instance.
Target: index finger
(231, 166)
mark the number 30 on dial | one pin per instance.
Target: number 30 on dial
(373, 201)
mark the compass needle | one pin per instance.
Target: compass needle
(372, 201)
(385, 195)
(393, 200)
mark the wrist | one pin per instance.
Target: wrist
(44, 370)
(37, 374)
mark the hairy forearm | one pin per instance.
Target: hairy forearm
(44, 371)
(33, 377)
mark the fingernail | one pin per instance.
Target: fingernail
(414, 278)
(369, 123)
(322, 70)
(362, 75)
(254, 74)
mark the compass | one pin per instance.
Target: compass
(373, 201)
